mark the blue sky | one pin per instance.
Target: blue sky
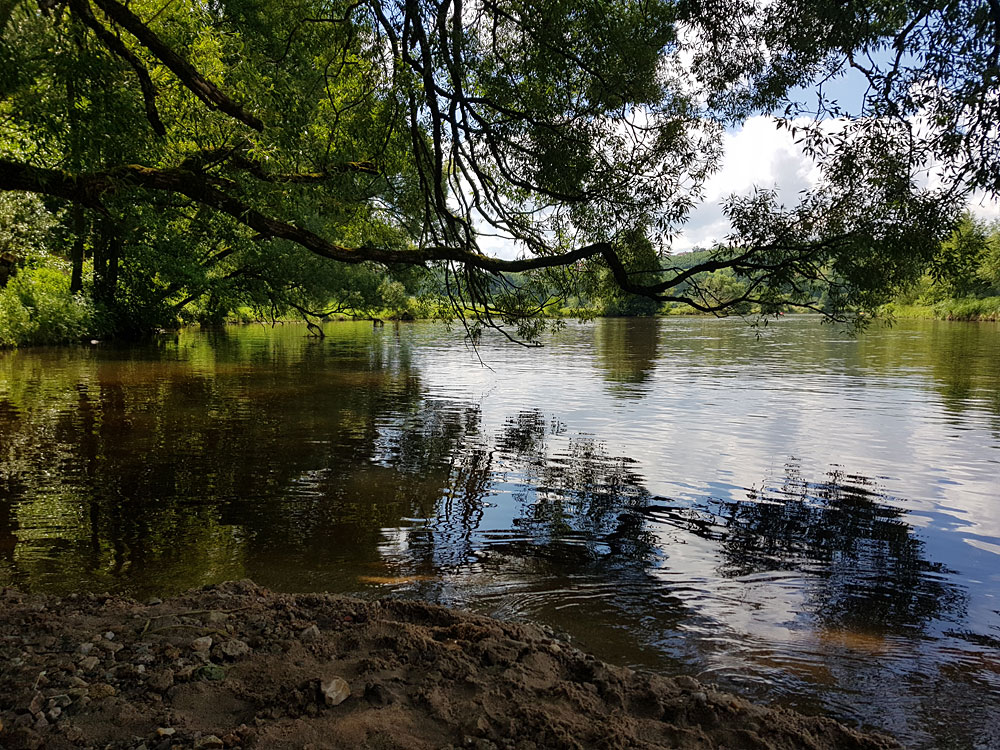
(758, 154)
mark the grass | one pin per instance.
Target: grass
(967, 308)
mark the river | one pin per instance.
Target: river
(806, 517)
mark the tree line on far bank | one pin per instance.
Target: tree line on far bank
(39, 304)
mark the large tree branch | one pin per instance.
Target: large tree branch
(116, 46)
(201, 87)
(89, 188)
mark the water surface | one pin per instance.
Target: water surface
(806, 517)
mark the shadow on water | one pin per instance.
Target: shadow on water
(333, 466)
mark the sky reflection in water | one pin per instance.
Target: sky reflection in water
(804, 516)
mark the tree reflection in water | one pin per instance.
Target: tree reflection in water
(867, 567)
(266, 487)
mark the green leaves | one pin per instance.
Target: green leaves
(242, 151)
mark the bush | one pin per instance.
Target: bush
(969, 308)
(36, 307)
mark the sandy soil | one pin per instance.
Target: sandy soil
(237, 666)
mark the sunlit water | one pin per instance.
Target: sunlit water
(806, 517)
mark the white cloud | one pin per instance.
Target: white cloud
(984, 208)
(758, 155)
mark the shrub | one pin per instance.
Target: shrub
(36, 307)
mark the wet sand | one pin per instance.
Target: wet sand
(237, 666)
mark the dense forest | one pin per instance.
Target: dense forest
(38, 304)
(162, 163)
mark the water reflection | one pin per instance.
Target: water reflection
(870, 570)
(667, 526)
(627, 354)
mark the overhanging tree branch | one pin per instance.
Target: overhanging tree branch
(188, 75)
(116, 46)
(89, 188)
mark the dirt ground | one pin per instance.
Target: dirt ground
(237, 666)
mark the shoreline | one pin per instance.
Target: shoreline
(236, 666)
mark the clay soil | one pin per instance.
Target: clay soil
(237, 666)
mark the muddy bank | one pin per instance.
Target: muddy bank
(237, 666)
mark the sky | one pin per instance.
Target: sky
(760, 155)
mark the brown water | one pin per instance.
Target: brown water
(809, 518)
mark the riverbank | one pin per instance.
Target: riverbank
(985, 309)
(237, 666)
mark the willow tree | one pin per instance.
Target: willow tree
(283, 149)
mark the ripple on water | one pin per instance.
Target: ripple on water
(807, 517)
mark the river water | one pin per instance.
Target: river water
(805, 517)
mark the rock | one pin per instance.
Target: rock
(74, 734)
(54, 713)
(700, 697)
(210, 672)
(160, 680)
(215, 618)
(201, 644)
(101, 690)
(555, 649)
(111, 646)
(309, 634)
(335, 690)
(204, 657)
(209, 742)
(79, 692)
(36, 704)
(23, 738)
(109, 636)
(85, 648)
(153, 602)
(166, 732)
(89, 662)
(76, 682)
(234, 649)
(687, 683)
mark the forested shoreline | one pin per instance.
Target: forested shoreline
(38, 304)
(502, 163)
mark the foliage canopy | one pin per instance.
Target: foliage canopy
(305, 155)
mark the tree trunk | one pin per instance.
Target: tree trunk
(107, 251)
(76, 253)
